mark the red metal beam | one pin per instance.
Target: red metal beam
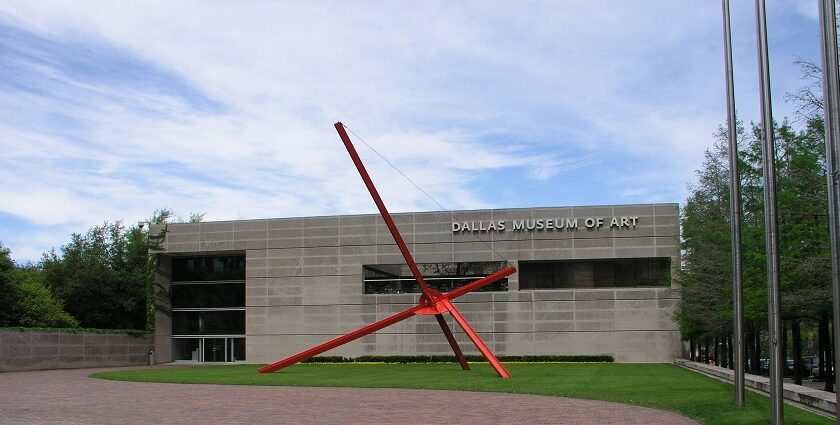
(431, 302)
(476, 340)
(457, 292)
(382, 210)
(344, 339)
(421, 308)
(452, 343)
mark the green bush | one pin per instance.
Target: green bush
(25, 299)
(130, 332)
(453, 359)
(37, 306)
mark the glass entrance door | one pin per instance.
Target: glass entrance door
(215, 349)
(236, 349)
(224, 349)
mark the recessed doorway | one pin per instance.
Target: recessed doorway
(206, 350)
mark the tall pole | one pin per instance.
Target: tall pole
(768, 158)
(734, 213)
(831, 106)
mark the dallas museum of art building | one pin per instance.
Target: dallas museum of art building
(589, 280)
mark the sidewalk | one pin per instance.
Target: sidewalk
(820, 401)
(69, 396)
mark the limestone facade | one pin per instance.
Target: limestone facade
(305, 283)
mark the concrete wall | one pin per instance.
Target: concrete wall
(163, 319)
(304, 282)
(52, 350)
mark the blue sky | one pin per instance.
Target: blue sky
(111, 110)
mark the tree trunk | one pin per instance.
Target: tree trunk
(756, 359)
(829, 357)
(731, 361)
(784, 349)
(717, 351)
(825, 340)
(821, 339)
(748, 352)
(691, 350)
(724, 358)
(796, 339)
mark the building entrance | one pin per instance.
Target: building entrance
(216, 349)
(208, 308)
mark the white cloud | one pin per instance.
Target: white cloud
(807, 9)
(227, 108)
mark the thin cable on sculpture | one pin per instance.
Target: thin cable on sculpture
(429, 304)
(451, 213)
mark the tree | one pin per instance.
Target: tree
(102, 277)
(26, 301)
(705, 280)
(7, 288)
(36, 305)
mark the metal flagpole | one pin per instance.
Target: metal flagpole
(831, 106)
(735, 213)
(768, 157)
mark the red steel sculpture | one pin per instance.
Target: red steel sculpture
(432, 302)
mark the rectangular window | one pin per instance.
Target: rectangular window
(208, 349)
(224, 322)
(208, 308)
(208, 295)
(444, 277)
(203, 269)
(582, 274)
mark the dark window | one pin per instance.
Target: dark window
(208, 295)
(651, 273)
(444, 277)
(202, 269)
(227, 322)
(548, 274)
(621, 273)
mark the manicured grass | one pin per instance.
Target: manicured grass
(661, 386)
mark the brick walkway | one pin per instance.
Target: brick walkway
(70, 397)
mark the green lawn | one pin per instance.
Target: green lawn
(661, 386)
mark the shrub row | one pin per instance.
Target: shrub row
(130, 332)
(453, 359)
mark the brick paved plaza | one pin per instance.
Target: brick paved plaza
(70, 397)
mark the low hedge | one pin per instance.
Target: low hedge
(129, 332)
(453, 359)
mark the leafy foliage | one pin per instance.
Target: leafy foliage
(706, 278)
(7, 287)
(36, 305)
(26, 300)
(101, 277)
(49, 329)
(453, 359)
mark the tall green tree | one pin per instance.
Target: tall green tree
(705, 280)
(7, 287)
(26, 300)
(101, 277)
(37, 307)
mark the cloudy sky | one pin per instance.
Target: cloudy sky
(111, 110)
